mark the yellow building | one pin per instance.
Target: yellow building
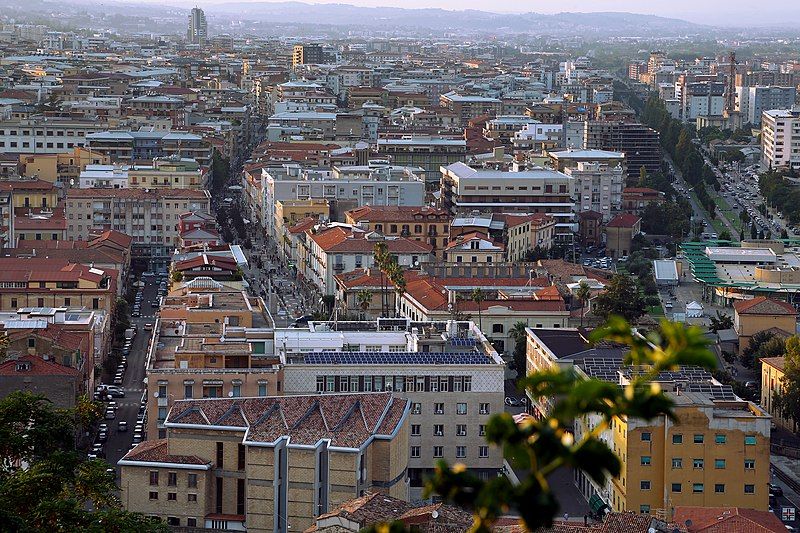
(762, 314)
(169, 172)
(30, 192)
(61, 167)
(772, 374)
(290, 212)
(419, 223)
(715, 455)
(272, 463)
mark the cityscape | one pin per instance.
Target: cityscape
(323, 267)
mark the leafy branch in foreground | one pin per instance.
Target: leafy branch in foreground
(540, 447)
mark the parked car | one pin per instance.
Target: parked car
(110, 414)
(122, 426)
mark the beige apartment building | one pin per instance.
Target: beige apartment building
(419, 223)
(762, 314)
(772, 374)
(211, 340)
(268, 464)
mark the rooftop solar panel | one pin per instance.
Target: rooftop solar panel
(396, 358)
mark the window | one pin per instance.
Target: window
(677, 462)
(153, 495)
(438, 408)
(750, 440)
(438, 451)
(415, 430)
(497, 328)
(677, 438)
(187, 391)
(236, 390)
(749, 489)
(262, 389)
(191, 497)
(644, 508)
(415, 452)
(220, 456)
(676, 487)
(154, 478)
(461, 430)
(719, 463)
(241, 457)
(484, 409)
(697, 463)
(461, 408)
(192, 522)
(645, 461)
(172, 479)
(749, 464)
(482, 430)
(191, 481)
(438, 430)
(719, 488)
(483, 452)
(416, 408)
(698, 439)
(697, 488)
(644, 484)
(172, 496)
(461, 451)
(646, 436)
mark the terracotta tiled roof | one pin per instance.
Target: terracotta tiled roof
(302, 225)
(775, 362)
(761, 305)
(111, 236)
(340, 239)
(349, 420)
(728, 520)
(394, 213)
(625, 220)
(157, 451)
(224, 263)
(460, 241)
(38, 367)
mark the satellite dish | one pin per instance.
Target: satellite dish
(434, 514)
(155, 394)
(230, 394)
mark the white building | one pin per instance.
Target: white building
(780, 138)
(598, 186)
(373, 184)
(753, 101)
(104, 176)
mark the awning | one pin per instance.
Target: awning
(596, 504)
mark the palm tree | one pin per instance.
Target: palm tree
(381, 252)
(477, 296)
(583, 294)
(364, 299)
(517, 331)
(399, 279)
(393, 273)
(518, 334)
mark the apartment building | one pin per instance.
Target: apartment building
(467, 107)
(702, 99)
(465, 189)
(598, 187)
(148, 143)
(46, 135)
(447, 370)
(268, 464)
(772, 375)
(211, 340)
(761, 314)
(753, 101)
(339, 248)
(780, 138)
(304, 54)
(418, 223)
(165, 172)
(639, 143)
(715, 453)
(426, 151)
(343, 187)
(60, 167)
(150, 216)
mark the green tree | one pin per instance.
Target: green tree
(642, 176)
(725, 235)
(583, 293)
(478, 297)
(787, 403)
(683, 148)
(622, 298)
(381, 253)
(518, 333)
(762, 344)
(45, 484)
(720, 322)
(540, 447)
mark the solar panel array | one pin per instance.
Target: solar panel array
(715, 392)
(606, 369)
(463, 341)
(395, 358)
(687, 373)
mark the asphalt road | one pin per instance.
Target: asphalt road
(119, 443)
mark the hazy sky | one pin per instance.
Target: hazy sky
(740, 12)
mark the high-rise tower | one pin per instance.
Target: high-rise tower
(197, 33)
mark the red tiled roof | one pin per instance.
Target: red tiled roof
(157, 451)
(38, 367)
(394, 213)
(26, 185)
(728, 520)
(304, 224)
(349, 420)
(761, 305)
(625, 220)
(340, 239)
(112, 236)
(461, 240)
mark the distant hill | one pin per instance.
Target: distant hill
(442, 19)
